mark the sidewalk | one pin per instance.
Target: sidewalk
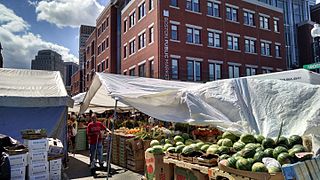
(78, 169)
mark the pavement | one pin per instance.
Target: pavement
(78, 169)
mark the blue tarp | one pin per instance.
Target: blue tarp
(15, 119)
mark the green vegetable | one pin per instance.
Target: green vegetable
(187, 150)
(258, 156)
(269, 152)
(278, 150)
(166, 146)
(231, 162)
(178, 139)
(224, 149)
(247, 153)
(227, 142)
(224, 156)
(179, 148)
(229, 135)
(238, 145)
(259, 167)
(295, 139)
(243, 164)
(204, 147)
(154, 143)
(179, 143)
(273, 170)
(284, 158)
(259, 138)
(247, 138)
(268, 143)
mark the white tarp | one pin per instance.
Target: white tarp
(244, 104)
(32, 88)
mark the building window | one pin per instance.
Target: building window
(125, 73)
(103, 26)
(266, 71)
(265, 49)
(150, 5)
(142, 72)
(131, 72)
(278, 51)
(125, 25)
(232, 14)
(151, 38)
(103, 65)
(233, 42)
(107, 42)
(276, 25)
(174, 32)
(107, 63)
(132, 45)
(193, 5)
(151, 69)
(132, 19)
(248, 18)
(234, 71)
(214, 39)
(107, 21)
(174, 3)
(125, 51)
(251, 71)
(194, 70)
(142, 10)
(174, 69)
(213, 9)
(264, 22)
(193, 35)
(250, 46)
(103, 45)
(214, 71)
(142, 41)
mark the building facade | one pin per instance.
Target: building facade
(84, 34)
(49, 60)
(234, 38)
(315, 13)
(76, 83)
(295, 12)
(70, 69)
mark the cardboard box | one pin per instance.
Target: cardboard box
(55, 146)
(156, 169)
(186, 174)
(37, 144)
(19, 160)
(37, 156)
(18, 173)
(55, 165)
(43, 176)
(55, 175)
(38, 168)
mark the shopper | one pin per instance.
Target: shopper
(95, 131)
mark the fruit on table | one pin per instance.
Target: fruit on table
(283, 142)
(258, 156)
(259, 167)
(247, 138)
(229, 135)
(185, 136)
(166, 146)
(224, 150)
(178, 139)
(213, 150)
(273, 169)
(248, 153)
(278, 150)
(268, 152)
(187, 150)
(189, 141)
(284, 158)
(224, 156)
(243, 164)
(295, 139)
(205, 147)
(268, 143)
(238, 145)
(171, 149)
(179, 148)
(231, 162)
(226, 142)
(179, 143)
(154, 143)
(157, 149)
(259, 138)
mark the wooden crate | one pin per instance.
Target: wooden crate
(206, 162)
(136, 166)
(186, 159)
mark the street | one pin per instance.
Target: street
(78, 169)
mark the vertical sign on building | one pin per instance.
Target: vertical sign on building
(166, 44)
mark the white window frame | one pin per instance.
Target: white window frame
(214, 38)
(232, 9)
(235, 38)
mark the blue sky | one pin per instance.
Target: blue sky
(27, 26)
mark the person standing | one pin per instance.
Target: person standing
(95, 131)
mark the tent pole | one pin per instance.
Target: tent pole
(110, 139)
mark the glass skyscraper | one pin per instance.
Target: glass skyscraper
(295, 11)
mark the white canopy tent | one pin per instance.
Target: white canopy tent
(31, 99)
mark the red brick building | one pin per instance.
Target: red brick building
(201, 41)
(76, 83)
(315, 13)
(90, 59)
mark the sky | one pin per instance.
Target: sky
(27, 26)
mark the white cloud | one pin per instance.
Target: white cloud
(20, 45)
(71, 13)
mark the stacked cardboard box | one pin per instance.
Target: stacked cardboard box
(156, 168)
(115, 149)
(37, 158)
(135, 155)
(18, 163)
(55, 167)
(122, 152)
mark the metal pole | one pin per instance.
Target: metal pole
(112, 132)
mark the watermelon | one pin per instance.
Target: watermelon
(259, 138)
(199, 145)
(171, 149)
(230, 136)
(284, 158)
(278, 150)
(296, 149)
(238, 145)
(213, 151)
(251, 161)
(149, 150)
(295, 139)
(187, 150)
(185, 136)
(179, 143)
(231, 162)
(219, 143)
(168, 141)
(154, 143)
(189, 141)
(269, 152)
(166, 146)
(247, 138)
(283, 142)
(219, 137)
(252, 146)
(178, 139)
(227, 142)
(259, 149)
(224, 156)
(157, 149)
(205, 147)
(268, 143)
(179, 148)
(258, 156)
(224, 149)
(243, 164)
(273, 169)
(259, 167)
(248, 153)
(213, 146)
(237, 154)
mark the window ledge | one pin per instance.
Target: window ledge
(236, 22)
(250, 25)
(187, 10)
(131, 54)
(214, 47)
(215, 17)
(141, 49)
(142, 18)
(265, 29)
(151, 43)
(266, 56)
(174, 7)
(234, 50)
(151, 10)
(251, 53)
(172, 40)
(278, 32)
(194, 44)
(278, 57)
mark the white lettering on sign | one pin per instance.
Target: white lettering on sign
(166, 48)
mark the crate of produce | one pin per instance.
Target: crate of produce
(33, 134)
(172, 155)
(206, 160)
(188, 174)
(135, 155)
(156, 168)
(135, 165)
(134, 144)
